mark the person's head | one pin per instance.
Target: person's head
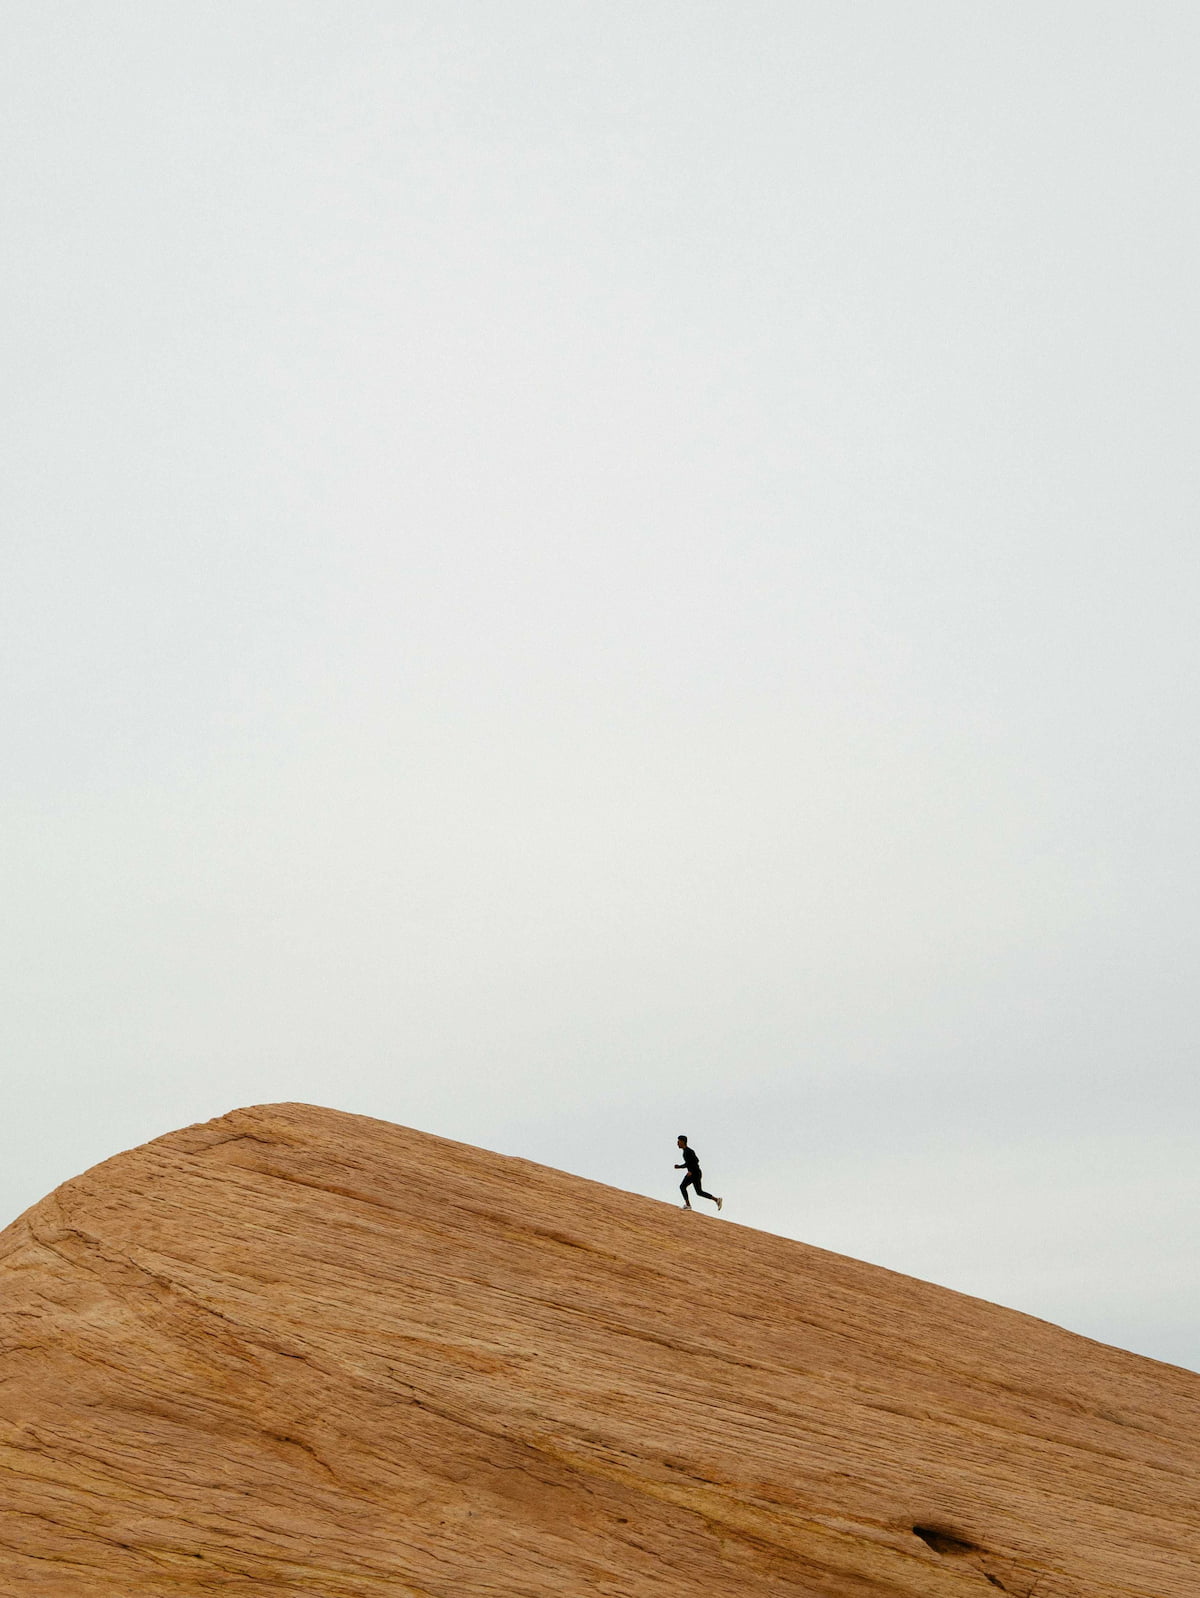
(682, 1141)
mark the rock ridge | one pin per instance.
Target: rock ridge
(297, 1352)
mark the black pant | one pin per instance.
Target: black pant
(692, 1179)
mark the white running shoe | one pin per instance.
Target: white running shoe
(719, 1203)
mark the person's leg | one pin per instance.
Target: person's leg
(683, 1187)
(700, 1193)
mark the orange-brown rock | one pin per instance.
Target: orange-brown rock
(298, 1352)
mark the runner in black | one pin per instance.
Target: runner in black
(691, 1164)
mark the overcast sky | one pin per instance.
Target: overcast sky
(576, 572)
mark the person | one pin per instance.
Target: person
(691, 1164)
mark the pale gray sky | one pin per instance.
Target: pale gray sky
(575, 572)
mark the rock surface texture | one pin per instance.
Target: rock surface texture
(298, 1352)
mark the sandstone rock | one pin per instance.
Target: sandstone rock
(298, 1352)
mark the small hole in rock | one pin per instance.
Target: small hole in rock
(944, 1542)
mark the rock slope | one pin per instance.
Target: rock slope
(304, 1353)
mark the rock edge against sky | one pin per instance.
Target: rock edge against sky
(293, 1351)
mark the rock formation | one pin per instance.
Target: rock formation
(298, 1352)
